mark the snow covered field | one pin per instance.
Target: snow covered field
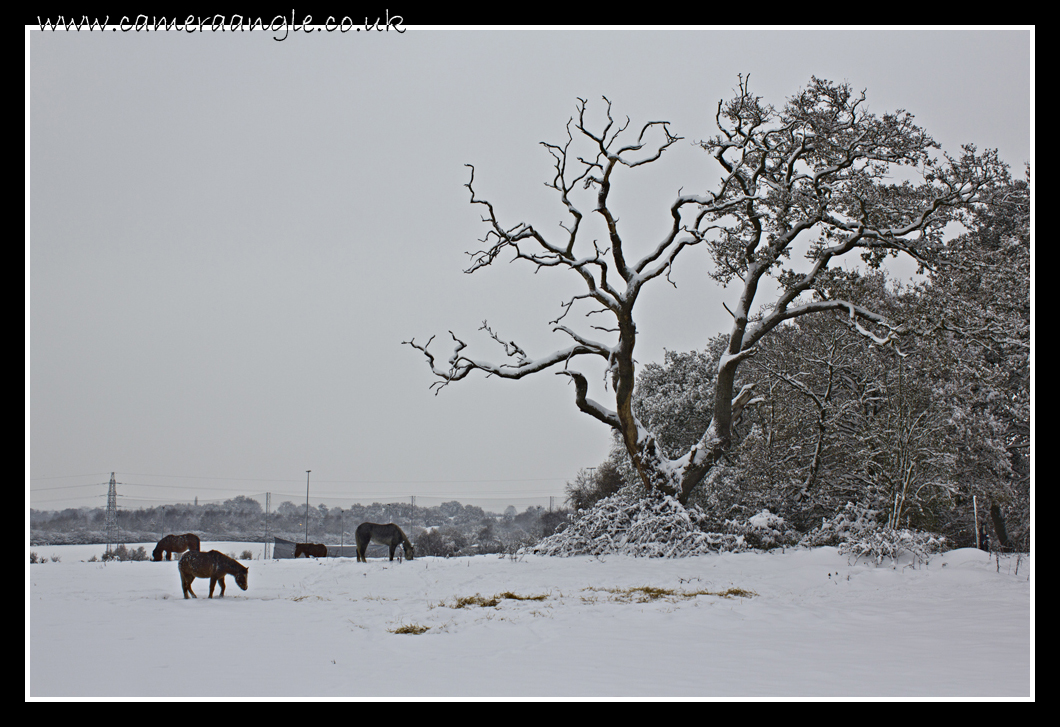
(809, 625)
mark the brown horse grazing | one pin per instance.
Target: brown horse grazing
(315, 550)
(214, 565)
(389, 534)
(175, 544)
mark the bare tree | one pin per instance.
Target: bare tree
(816, 171)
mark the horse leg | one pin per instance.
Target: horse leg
(221, 579)
(213, 582)
(186, 585)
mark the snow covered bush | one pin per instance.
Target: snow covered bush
(763, 531)
(120, 552)
(856, 531)
(449, 541)
(890, 543)
(851, 523)
(626, 524)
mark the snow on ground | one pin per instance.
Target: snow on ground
(811, 625)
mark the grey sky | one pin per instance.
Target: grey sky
(230, 237)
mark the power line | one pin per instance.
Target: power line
(377, 495)
(201, 477)
(338, 482)
(68, 487)
(71, 499)
(67, 477)
(359, 497)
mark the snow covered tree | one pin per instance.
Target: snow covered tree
(589, 487)
(822, 387)
(818, 171)
(675, 399)
(243, 506)
(906, 465)
(981, 285)
(841, 420)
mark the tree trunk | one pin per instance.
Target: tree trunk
(999, 527)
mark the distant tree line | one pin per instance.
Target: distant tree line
(447, 529)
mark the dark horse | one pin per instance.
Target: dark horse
(389, 534)
(315, 550)
(214, 565)
(175, 544)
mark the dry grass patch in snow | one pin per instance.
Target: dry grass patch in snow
(644, 594)
(410, 629)
(479, 600)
